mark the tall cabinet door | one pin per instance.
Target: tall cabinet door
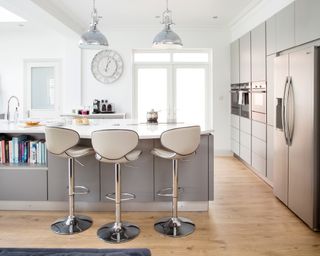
(307, 20)
(245, 58)
(301, 152)
(285, 28)
(280, 164)
(258, 53)
(235, 62)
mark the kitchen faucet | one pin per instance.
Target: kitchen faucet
(8, 107)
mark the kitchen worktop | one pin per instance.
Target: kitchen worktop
(145, 130)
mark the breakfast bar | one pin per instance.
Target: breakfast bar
(29, 186)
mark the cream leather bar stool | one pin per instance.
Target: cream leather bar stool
(178, 143)
(117, 147)
(63, 142)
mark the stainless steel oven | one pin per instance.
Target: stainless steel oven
(259, 101)
(235, 106)
(245, 100)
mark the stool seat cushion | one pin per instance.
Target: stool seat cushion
(79, 151)
(168, 154)
(131, 156)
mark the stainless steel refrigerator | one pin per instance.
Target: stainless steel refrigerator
(296, 134)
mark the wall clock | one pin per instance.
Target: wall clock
(107, 66)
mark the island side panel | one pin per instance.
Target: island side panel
(193, 174)
(211, 166)
(136, 176)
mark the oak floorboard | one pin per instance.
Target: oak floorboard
(244, 220)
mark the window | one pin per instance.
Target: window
(174, 83)
(42, 88)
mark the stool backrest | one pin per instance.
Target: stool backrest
(114, 144)
(59, 140)
(184, 141)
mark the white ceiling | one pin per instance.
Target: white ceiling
(141, 13)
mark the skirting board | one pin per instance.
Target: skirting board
(201, 206)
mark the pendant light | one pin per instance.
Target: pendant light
(167, 39)
(93, 38)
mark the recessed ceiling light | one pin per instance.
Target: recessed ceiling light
(215, 17)
(7, 16)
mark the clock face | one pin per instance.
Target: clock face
(107, 66)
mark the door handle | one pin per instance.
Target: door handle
(284, 111)
(292, 108)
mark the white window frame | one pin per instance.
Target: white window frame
(42, 113)
(171, 78)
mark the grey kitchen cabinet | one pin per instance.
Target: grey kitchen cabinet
(245, 58)
(258, 53)
(193, 174)
(271, 35)
(235, 62)
(259, 130)
(307, 21)
(235, 134)
(87, 175)
(285, 28)
(136, 176)
(23, 184)
(235, 121)
(259, 164)
(259, 147)
(270, 89)
(245, 139)
(270, 152)
(245, 125)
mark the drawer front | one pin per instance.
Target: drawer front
(235, 147)
(259, 164)
(23, 185)
(235, 134)
(259, 147)
(245, 140)
(235, 121)
(245, 125)
(245, 154)
(259, 130)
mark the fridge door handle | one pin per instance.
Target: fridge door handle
(292, 108)
(284, 111)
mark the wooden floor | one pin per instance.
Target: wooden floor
(245, 219)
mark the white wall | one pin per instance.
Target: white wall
(120, 92)
(37, 43)
(260, 13)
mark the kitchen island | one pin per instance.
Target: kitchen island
(43, 187)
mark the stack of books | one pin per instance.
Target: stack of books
(22, 149)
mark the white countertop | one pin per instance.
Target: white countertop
(145, 131)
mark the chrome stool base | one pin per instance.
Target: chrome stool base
(113, 233)
(71, 225)
(174, 227)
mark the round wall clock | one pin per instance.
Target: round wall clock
(107, 66)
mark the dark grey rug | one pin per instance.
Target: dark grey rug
(73, 252)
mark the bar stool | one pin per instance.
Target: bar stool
(117, 147)
(178, 143)
(63, 142)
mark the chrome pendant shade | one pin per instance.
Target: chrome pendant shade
(93, 38)
(167, 39)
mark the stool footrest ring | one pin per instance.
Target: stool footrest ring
(82, 190)
(167, 192)
(125, 196)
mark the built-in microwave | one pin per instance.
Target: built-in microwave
(259, 101)
(235, 106)
(244, 100)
